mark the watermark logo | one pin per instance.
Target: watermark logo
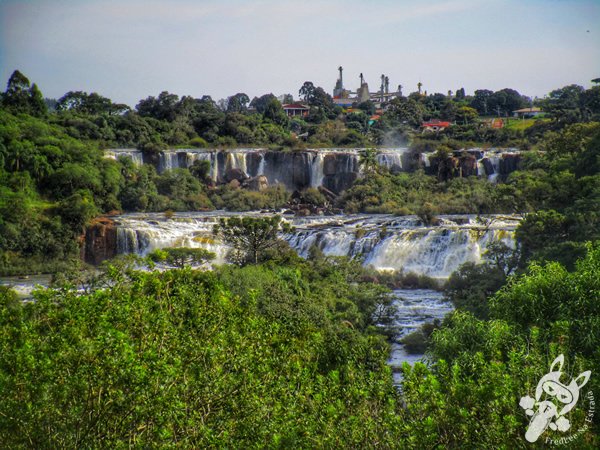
(553, 400)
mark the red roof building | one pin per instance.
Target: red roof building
(435, 125)
(296, 109)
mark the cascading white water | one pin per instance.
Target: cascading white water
(391, 159)
(135, 155)
(382, 241)
(480, 169)
(316, 170)
(261, 165)
(426, 158)
(237, 160)
(168, 161)
(143, 233)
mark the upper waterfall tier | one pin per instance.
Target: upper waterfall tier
(334, 168)
(382, 241)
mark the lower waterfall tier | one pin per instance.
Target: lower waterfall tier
(385, 242)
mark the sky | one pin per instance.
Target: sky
(127, 50)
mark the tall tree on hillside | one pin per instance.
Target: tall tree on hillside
(481, 101)
(407, 110)
(274, 112)
(564, 104)
(307, 91)
(163, 107)
(82, 102)
(22, 97)
(238, 102)
(505, 101)
(260, 103)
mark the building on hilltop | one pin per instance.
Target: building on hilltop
(435, 125)
(296, 109)
(345, 98)
(527, 113)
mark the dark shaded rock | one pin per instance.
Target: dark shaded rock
(235, 174)
(509, 163)
(253, 163)
(467, 165)
(488, 166)
(330, 164)
(340, 181)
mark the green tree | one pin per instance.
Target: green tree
(482, 101)
(368, 160)
(466, 115)
(22, 97)
(274, 112)
(564, 104)
(307, 91)
(260, 103)
(180, 257)
(237, 103)
(249, 237)
(407, 110)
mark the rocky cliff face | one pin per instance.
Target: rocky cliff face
(334, 169)
(100, 241)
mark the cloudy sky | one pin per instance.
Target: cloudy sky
(127, 50)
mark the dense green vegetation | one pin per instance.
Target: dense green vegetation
(281, 355)
(240, 357)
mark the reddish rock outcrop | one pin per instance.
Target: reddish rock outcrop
(100, 241)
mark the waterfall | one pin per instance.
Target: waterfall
(384, 242)
(168, 161)
(143, 233)
(334, 168)
(316, 170)
(261, 165)
(211, 157)
(392, 160)
(237, 160)
(135, 155)
(425, 158)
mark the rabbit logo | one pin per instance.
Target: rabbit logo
(558, 400)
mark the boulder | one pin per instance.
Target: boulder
(509, 163)
(303, 212)
(259, 183)
(235, 174)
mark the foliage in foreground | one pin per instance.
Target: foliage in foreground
(283, 355)
(177, 358)
(471, 395)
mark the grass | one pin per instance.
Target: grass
(522, 124)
